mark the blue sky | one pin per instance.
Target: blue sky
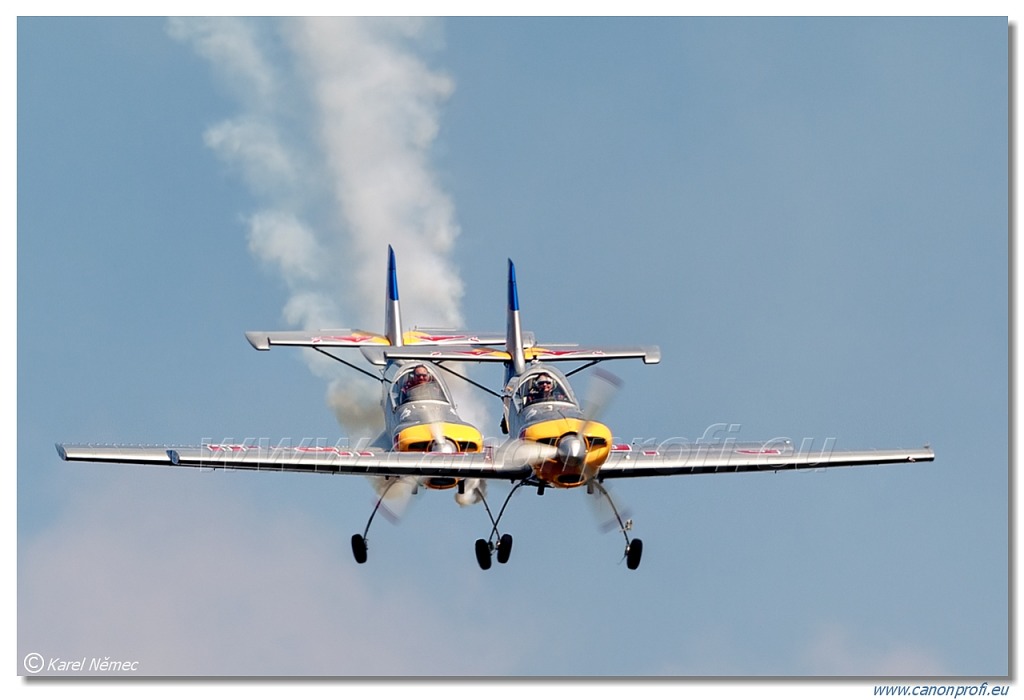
(808, 216)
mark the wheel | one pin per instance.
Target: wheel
(359, 549)
(504, 548)
(633, 553)
(483, 554)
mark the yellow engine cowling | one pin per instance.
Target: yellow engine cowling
(420, 438)
(570, 473)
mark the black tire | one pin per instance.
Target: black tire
(359, 549)
(633, 553)
(504, 548)
(483, 554)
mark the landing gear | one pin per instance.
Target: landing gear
(483, 550)
(634, 550)
(634, 547)
(359, 548)
(502, 544)
(483, 554)
(359, 541)
(504, 548)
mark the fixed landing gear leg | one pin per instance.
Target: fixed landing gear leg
(359, 547)
(634, 547)
(502, 544)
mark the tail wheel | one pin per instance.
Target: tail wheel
(504, 548)
(634, 550)
(483, 554)
(359, 548)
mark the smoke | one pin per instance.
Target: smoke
(380, 116)
(337, 120)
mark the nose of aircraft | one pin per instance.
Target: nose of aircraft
(572, 450)
(444, 446)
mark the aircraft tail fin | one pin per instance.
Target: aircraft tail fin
(513, 329)
(392, 309)
(520, 345)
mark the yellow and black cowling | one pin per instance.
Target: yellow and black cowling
(582, 445)
(446, 436)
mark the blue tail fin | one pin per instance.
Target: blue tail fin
(392, 309)
(513, 330)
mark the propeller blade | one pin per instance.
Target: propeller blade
(474, 491)
(603, 387)
(606, 515)
(396, 493)
(439, 442)
(525, 452)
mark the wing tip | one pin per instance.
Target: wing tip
(258, 339)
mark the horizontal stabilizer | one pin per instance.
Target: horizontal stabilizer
(650, 354)
(548, 353)
(352, 338)
(381, 356)
(448, 336)
(337, 338)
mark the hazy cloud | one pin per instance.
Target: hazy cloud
(203, 583)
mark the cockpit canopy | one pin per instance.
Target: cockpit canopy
(543, 386)
(418, 383)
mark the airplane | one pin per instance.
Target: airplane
(419, 414)
(555, 439)
(541, 407)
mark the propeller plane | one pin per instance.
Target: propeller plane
(555, 439)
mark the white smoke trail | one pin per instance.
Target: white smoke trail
(379, 107)
(337, 119)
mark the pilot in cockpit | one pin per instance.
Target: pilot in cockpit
(419, 385)
(544, 388)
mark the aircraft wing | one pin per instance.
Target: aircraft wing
(626, 461)
(511, 463)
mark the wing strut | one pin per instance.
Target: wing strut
(581, 368)
(467, 379)
(371, 375)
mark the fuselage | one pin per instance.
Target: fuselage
(420, 416)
